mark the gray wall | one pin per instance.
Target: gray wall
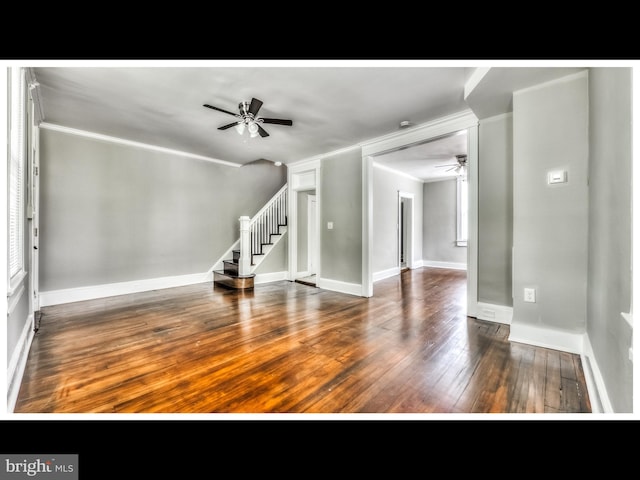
(609, 285)
(341, 203)
(439, 223)
(550, 131)
(495, 210)
(386, 185)
(114, 213)
(276, 260)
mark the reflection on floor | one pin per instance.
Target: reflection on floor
(310, 280)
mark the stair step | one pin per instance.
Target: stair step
(230, 267)
(240, 282)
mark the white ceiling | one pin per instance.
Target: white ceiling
(332, 107)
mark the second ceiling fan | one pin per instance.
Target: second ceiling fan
(248, 118)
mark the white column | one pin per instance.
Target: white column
(244, 263)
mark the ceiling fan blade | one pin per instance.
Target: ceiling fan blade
(277, 121)
(221, 110)
(449, 165)
(454, 168)
(262, 131)
(255, 106)
(224, 127)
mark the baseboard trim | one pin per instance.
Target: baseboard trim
(494, 313)
(270, 277)
(342, 287)
(57, 297)
(18, 363)
(382, 274)
(451, 265)
(547, 338)
(598, 395)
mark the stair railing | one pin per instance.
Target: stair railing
(256, 232)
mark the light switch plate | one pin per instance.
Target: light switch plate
(557, 176)
(330, 225)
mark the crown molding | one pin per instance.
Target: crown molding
(130, 143)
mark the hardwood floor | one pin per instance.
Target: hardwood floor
(285, 347)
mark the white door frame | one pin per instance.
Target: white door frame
(301, 176)
(34, 179)
(422, 133)
(408, 215)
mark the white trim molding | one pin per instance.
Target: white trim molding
(261, 278)
(57, 297)
(547, 337)
(342, 287)
(451, 265)
(596, 388)
(389, 272)
(494, 313)
(18, 363)
(420, 133)
(130, 143)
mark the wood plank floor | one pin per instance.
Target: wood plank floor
(286, 347)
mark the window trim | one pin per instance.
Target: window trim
(15, 278)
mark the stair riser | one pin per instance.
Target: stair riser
(230, 268)
(240, 283)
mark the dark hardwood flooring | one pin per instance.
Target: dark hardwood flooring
(286, 347)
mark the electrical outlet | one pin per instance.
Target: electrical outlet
(530, 295)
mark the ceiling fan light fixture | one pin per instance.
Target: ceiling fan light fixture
(240, 128)
(253, 129)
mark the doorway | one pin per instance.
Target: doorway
(307, 251)
(465, 121)
(405, 230)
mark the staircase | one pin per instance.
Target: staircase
(258, 236)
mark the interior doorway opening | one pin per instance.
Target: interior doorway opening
(405, 230)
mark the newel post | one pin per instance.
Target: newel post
(244, 263)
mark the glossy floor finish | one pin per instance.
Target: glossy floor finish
(286, 347)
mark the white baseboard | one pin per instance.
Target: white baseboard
(18, 363)
(598, 395)
(389, 272)
(270, 277)
(494, 313)
(342, 287)
(417, 264)
(451, 265)
(57, 297)
(547, 338)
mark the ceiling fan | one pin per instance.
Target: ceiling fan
(460, 167)
(248, 119)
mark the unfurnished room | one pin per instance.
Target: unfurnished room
(319, 238)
